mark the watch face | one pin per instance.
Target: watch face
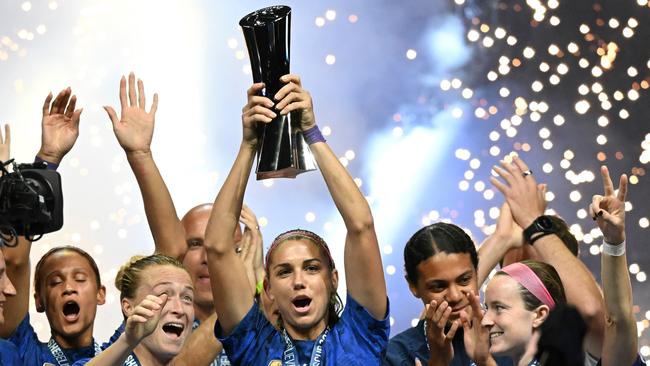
(545, 223)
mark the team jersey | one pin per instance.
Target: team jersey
(356, 339)
(411, 343)
(9, 354)
(36, 353)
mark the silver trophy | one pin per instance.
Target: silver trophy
(282, 150)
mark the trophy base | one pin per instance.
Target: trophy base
(282, 173)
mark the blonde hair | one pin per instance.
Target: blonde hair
(128, 277)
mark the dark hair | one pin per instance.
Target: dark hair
(565, 234)
(335, 305)
(39, 266)
(549, 277)
(433, 239)
(128, 277)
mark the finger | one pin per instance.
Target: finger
(112, 115)
(46, 105)
(291, 78)
(520, 163)
(63, 102)
(500, 186)
(57, 102)
(429, 310)
(442, 322)
(258, 109)
(255, 89)
(504, 173)
(606, 216)
(123, 102)
(608, 186)
(138, 319)
(417, 362)
(595, 205)
(154, 106)
(475, 303)
(622, 188)
(164, 299)
(286, 90)
(452, 330)
(70, 109)
(464, 320)
(7, 137)
(295, 106)
(439, 311)
(141, 99)
(133, 102)
(76, 117)
(592, 211)
(290, 98)
(144, 311)
(258, 100)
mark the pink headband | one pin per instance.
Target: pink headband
(527, 278)
(299, 232)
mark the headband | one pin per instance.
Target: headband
(299, 232)
(530, 281)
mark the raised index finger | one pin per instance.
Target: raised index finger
(608, 186)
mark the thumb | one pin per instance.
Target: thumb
(112, 115)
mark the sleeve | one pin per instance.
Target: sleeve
(26, 340)
(370, 333)
(362, 339)
(249, 339)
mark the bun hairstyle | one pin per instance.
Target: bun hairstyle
(549, 278)
(128, 277)
(436, 238)
(38, 276)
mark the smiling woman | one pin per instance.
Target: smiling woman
(157, 300)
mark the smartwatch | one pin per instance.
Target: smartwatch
(542, 226)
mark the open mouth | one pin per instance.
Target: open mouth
(173, 329)
(301, 303)
(71, 310)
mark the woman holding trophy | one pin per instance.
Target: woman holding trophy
(301, 277)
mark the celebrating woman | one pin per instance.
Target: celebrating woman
(301, 276)
(157, 300)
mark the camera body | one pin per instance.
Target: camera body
(31, 201)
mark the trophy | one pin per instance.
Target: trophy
(282, 151)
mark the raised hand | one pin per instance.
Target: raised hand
(609, 209)
(5, 144)
(509, 233)
(257, 110)
(475, 335)
(526, 199)
(440, 343)
(292, 97)
(252, 251)
(144, 318)
(59, 126)
(134, 129)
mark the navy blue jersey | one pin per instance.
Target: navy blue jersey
(36, 353)
(356, 339)
(9, 354)
(411, 343)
